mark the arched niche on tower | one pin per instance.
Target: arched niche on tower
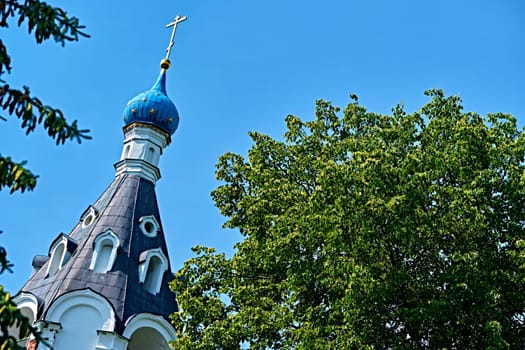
(105, 248)
(81, 313)
(148, 331)
(152, 265)
(27, 303)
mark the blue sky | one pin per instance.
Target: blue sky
(238, 66)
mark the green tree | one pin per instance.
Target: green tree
(43, 22)
(362, 230)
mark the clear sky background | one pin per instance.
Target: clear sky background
(238, 66)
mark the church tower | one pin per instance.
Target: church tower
(105, 284)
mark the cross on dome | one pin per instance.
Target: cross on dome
(165, 63)
(153, 106)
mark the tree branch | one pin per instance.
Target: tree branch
(33, 112)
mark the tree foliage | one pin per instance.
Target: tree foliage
(363, 230)
(44, 22)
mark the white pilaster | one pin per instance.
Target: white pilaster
(49, 331)
(110, 341)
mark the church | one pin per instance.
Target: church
(105, 284)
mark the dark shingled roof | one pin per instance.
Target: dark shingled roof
(119, 208)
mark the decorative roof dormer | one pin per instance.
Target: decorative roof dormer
(59, 253)
(89, 216)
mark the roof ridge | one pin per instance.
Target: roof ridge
(123, 309)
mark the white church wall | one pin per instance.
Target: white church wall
(81, 313)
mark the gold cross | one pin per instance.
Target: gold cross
(178, 19)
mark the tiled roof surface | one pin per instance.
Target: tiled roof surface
(119, 208)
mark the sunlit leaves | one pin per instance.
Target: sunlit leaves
(205, 320)
(15, 176)
(364, 230)
(10, 316)
(32, 112)
(43, 22)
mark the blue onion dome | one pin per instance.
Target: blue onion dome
(153, 107)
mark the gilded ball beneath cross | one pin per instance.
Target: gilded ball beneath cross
(165, 63)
